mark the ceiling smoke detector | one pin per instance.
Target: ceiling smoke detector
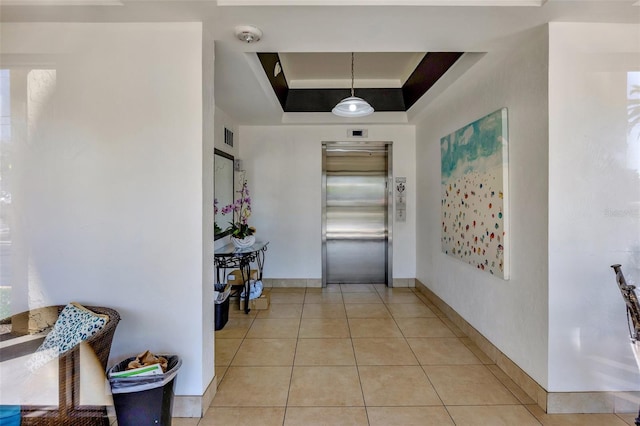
(248, 33)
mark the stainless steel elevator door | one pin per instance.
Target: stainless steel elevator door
(356, 215)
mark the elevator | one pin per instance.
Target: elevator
(356, 212)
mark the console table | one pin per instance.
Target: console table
(231, 257)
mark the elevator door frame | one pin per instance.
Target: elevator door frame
(359, 146)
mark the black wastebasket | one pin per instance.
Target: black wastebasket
(144, 400)
(221, 306)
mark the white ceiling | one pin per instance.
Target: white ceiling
(241, 87)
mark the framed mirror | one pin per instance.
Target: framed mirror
(222, 189)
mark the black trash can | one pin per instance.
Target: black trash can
(144, 400)
(221, 314)
(221, 306)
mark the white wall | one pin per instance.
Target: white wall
(209, 127)
(594, 205)
(284, 170)
(511, 314)
(109, 185)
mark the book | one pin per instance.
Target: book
(147, 370)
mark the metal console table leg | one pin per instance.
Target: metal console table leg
(230, 257)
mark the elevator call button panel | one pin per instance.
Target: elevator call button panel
(401, 199)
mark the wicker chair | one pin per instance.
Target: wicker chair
(69, 411)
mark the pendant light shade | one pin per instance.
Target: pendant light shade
(352, 106)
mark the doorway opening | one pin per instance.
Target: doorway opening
(356, 212)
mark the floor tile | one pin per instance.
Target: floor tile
(575, 419)
(235, 328)
(225, 350)
(220, 371)
(476, 350)
(382, 288)
(423, 297)
(324, 352)
(254, 387)
(441, 351)
(468, 385)
(323, 416)
(297, 290)
(494, 415)
(400, 298)
(629, 418)
(323, 298)
(243, 416)
(410, 310)
(184, 421)
(274, 328)
(438, 312)
(356, 288)
(286, 297)
(323, 328)
(451, 325)
(423, 327)
(511, 385)
(337, 355)
(325, 387)
(280, 310)
(322, 310)
(234, 310)
(368, 310)
(387, 351)
(331, 288)
(261, 352)
(376, 327)
(409, 416)
(362, 297)
(394, 386)
(429, 303)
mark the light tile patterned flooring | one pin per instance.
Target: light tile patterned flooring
(362, 355)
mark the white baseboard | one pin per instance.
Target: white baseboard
(192, 405)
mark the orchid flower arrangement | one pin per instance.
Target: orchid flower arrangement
(241, 210)
(216, 228)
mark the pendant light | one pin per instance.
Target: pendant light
(352, 106)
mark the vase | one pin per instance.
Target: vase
(243, 242)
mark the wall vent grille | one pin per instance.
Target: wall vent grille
(228, 137)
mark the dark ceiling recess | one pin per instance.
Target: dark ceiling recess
(432, 66)
(429, 70)
(278, 82)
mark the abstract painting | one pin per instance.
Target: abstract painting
(475, 217)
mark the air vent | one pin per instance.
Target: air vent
(228, 137)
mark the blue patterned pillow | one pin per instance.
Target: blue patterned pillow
(74, 325)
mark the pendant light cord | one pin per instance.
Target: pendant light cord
(352, 74)
(352, 106)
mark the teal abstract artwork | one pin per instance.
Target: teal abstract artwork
(474, 166)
